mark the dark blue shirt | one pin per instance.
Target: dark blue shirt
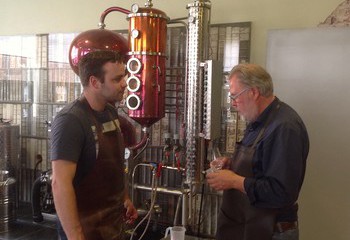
(279, 161)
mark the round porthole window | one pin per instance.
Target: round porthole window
(133, 83)
(133, 65)
(133, 102)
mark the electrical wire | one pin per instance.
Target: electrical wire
(153, 201)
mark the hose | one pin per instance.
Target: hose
(143, 149)
(148, 215)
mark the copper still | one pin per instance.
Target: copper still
(146, 52)
(93, 40)
(146, 64)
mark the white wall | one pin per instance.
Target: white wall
(311, 72)
(57, 16)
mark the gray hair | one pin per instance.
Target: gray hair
(252, 75)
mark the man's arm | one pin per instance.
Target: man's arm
(226, 179)
(283, 169)
(65, 199)
(131, 212)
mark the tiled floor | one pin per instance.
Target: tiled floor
(25, 229)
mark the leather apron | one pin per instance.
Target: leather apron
(100, 194)
(238, 219)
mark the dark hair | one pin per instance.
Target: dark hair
(92, 64)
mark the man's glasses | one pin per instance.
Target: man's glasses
(234, 97)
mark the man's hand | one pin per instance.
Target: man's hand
(131, 212)
(224, 180)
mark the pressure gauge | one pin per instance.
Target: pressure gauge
(135, 33)
(127, 153)
(134, 8)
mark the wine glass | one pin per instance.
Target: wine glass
(216, 164)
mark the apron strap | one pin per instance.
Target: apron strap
(269, 119)
(98, 126)
(91, 115)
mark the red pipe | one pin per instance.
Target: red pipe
(143, 140)
(111, 9)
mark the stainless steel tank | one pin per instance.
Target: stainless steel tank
(9, 156)
(8, 209)
(9, 148)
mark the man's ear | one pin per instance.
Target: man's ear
(256, 93)
(94, 82)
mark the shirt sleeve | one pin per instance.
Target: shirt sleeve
(280, 158)
(67, 138)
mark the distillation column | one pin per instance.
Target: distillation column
(198, 47)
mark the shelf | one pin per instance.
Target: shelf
(15, 102)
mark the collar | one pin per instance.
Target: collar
(263, 116)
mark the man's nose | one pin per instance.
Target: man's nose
(123, 83)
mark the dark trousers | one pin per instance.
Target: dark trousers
(292, 234)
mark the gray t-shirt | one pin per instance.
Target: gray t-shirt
(74, 138)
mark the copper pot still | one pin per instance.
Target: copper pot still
(146, 64)
(95, 40)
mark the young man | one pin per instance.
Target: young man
(262, 180)
(87, 153)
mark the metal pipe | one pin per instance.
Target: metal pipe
(185, 211)
(102, 24)
(178, 19)
(149, 214)
(180, 22)
(159, 189)
(173, 168)
(133, 177)
(177, 209)
(143, 140)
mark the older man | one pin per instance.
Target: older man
(262, 180)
